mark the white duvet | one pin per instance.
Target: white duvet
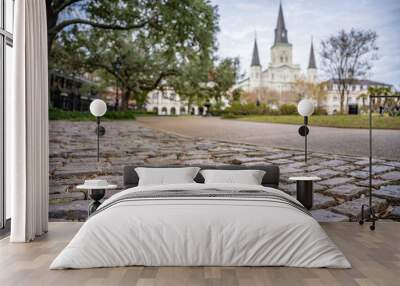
(193, 231)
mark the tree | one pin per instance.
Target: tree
(140, 69)
(148, 56)
(126, 15)
(191, 82)
(348, 56)
(200, 81)
(224, 76)
(237, 94)
(302, 88)
(379, 91)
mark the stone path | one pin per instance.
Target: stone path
(338, 196)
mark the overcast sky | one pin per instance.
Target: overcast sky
(239, 19)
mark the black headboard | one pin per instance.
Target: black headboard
(271, 177)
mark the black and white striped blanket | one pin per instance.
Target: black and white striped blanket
(205, 194)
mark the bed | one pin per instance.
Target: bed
(197, 224)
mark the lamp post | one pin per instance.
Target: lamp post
(305, 109)
(98, 108)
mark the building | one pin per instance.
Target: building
(281, 72)
(281, 75)
(66, 93)
(168, 102)
(353, 101)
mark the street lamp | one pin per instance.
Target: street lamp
(305, 109)
(98, 108)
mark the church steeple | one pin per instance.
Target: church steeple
(311, 60)
(255, 60)
(280, 30)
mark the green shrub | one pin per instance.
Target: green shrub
(288, 109)
(58, 114)
(247, 109)
(320, 111)
(217, 109)
(229, 116)
(120, 115)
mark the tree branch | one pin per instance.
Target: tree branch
(66, 23)
(61, 5)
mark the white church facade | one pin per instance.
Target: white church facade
(281, 72)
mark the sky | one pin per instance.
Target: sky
(306, 19)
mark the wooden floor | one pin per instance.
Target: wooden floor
(375, 257)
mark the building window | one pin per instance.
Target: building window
(6, 44)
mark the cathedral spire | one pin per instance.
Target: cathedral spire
(255, 60)
(311, 60)
(280, 30)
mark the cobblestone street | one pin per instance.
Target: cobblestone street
(338, 196)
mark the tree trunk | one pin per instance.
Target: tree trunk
(341, 101)
(125, 100)
(347, 102)
(51, 18)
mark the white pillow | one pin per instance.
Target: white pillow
(166, 176)
(248, 177)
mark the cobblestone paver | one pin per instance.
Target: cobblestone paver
(338, 196)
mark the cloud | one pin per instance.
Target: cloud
(239, 19)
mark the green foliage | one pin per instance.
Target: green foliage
(58, 114)
(249, 109)
(217, 109)
(145, 44)
(201, 80)
(320, 111)
(236, 94)
(224, 77)
(288, 109)
(394, 113)
(230, 116)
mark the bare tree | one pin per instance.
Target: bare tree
(348, 56)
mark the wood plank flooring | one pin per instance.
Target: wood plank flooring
(375, 257)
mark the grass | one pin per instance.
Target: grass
(58, 114)
(340, 121)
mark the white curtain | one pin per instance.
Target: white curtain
(27, 145)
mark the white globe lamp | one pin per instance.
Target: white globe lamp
(305, 107)
(98, 108)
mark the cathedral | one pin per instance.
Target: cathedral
(281, 72)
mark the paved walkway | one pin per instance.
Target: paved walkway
(386, 143)
(338, 196)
